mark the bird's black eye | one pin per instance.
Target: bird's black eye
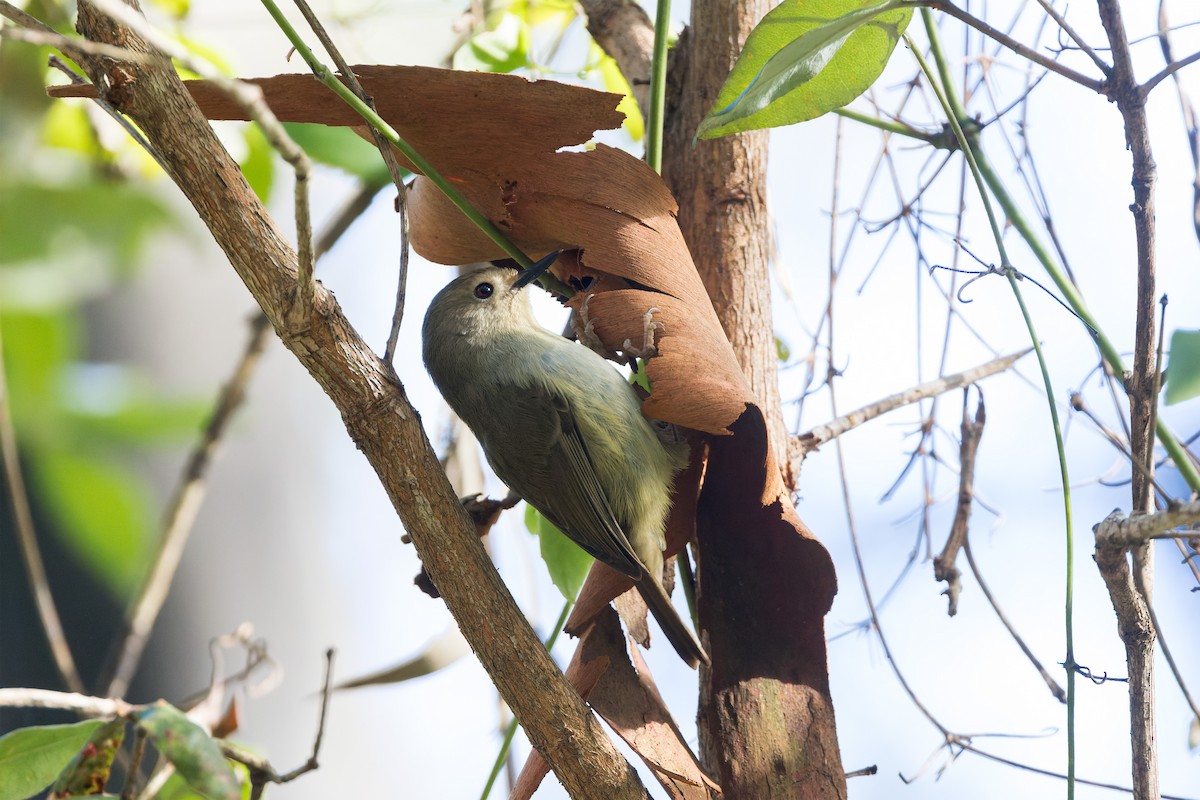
(483, 291)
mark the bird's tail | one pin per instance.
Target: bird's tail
(677, 631)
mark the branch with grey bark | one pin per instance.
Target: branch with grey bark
(1119, 531)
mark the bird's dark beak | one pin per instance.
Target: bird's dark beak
(533, 273)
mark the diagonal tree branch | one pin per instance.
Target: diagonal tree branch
(377, 415)
(811, 440)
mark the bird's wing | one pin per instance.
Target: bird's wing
(539, 452)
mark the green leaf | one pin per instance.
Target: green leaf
(258, 165)
(30, 758)
(567, 563)
(88, 772)
(195, 755)
(341, 147)
(102, 508)
(782, 351)
(503, 48)
(1183, 370)
(804, 59)
(614, 81)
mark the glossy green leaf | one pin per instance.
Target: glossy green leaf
(340, 147)
(804, 59)
(193, 752)
(567, 563)
(101, 507)
(31, 758)
(1183, 368)
(503, 48)
(88, 772)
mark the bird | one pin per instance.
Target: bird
(561, 427)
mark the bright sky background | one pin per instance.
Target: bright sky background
(319, 559)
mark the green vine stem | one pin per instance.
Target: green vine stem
(327, 77)
(658, 86)
(955, 114)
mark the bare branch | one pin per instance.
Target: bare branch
(389, 158)
(66, 44)
(806, 442)
(189, 495)
(1062, 23)
(952, 10)
(1052, 684)
(67, 701)
(1189, 112)
(250, 97)
(181, 516)
(944, 568)
(1119, 531)
(1168, 71)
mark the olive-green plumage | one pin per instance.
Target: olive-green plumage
(560, 426)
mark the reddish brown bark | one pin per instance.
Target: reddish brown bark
(766, 718)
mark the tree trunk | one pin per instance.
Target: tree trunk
(766, 717)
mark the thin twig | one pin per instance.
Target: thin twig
(1189, 112)
(129, 128)
(806, 442)
(43, 598)
(1052, 774)
(67, 44)
(181, 514)
(261, 771)
(133, 771)
(1055, 689)
(66, 701)
(1168, 71)
(389, 158)
(1175, 671)
(326, 691)
(951, 10)
(389, 352)
(1075, 37)
(1122, 446)
(1119, 531)
(250, 98)
(1130, 590)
